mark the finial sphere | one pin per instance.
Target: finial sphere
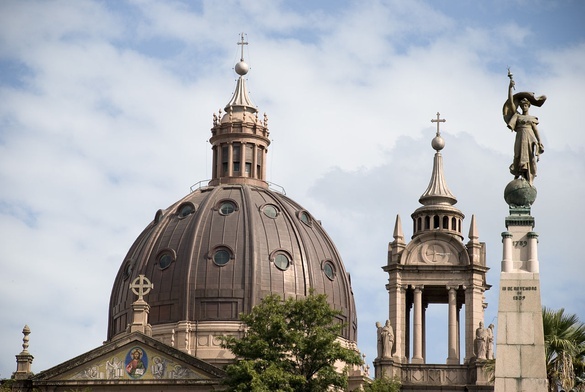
(242, 68)
(519, 193)
(438, 143)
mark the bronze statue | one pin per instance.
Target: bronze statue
(528, 146)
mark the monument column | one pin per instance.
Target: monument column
(520, 354)
(533, 252)
(507, 265)
(417, 326)
(453, 357)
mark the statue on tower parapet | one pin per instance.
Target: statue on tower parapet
(528, 145)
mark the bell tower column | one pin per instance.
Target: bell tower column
(453, 357)
(417, 356)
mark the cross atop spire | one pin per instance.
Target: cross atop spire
(242, 42)
(438, 121)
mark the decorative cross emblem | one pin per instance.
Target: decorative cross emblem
(242, 42)
(433, 252)
(438, 120)
(141, 286)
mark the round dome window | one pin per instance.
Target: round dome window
(270, 210)
(221, 256)
(165, 258)
(282, 261)
(227, 207)
(329, 269)
(305, 218)
(128, 269)
(186, 209)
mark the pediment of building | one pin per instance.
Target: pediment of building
(135, 357)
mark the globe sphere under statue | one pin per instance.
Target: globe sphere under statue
(519, 193)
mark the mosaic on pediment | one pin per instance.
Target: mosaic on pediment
(134, 363)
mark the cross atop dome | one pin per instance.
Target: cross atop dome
(242, 43)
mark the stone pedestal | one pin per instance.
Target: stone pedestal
(23, 366)
(520, 356)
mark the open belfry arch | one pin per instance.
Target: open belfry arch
(435, 267)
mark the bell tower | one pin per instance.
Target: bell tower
(435, 267)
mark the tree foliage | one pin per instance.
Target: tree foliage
(564, 339)
(289, 346)
(384, 384)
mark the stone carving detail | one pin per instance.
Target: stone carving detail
(434, 376)
(385, 339)
(528, 145)
(434, 252)
(480, 342)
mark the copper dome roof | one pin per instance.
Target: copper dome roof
(178, 252)
(222, 248)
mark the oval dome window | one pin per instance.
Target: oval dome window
(270, 211)
(165, 259)
(227, 207)
(221, 257)
(281, 261)
(329, 269)
(186, 209)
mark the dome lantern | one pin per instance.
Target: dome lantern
(239, 138)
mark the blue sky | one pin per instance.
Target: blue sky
(106, 108)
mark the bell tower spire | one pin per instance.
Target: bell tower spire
(239, 138)
(438, 211)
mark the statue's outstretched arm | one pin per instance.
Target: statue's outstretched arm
(511, 96)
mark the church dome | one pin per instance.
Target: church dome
(219, 250)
